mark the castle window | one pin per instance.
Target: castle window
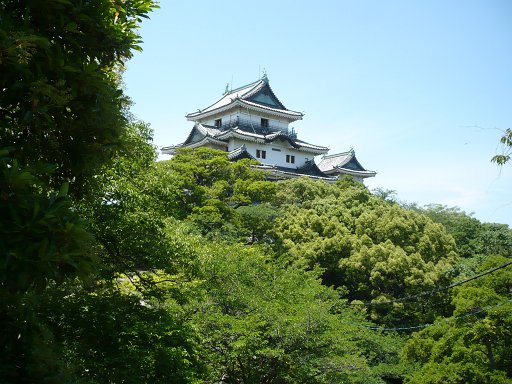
(264, 123)
(218, 123)
(260, 154)
(290, 159)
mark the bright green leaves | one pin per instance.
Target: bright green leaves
(406, 229)
(376, 250)
(263, 321)
(506, 142)
(474, 344)
(130, 233)
(380, 252)
(257, 222)
(473, 238)
(206, 188)
(116, 337)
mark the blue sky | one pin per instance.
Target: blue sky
(419, 89)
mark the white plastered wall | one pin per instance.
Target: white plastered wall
(275, 152)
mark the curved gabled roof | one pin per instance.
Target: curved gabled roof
(257, 95)
(204, 141)
(298, 144)
(281, 173)
(202, 133)
(281, 136)
(240, 153)
(199, 131)
(344, 162)
(310, 168)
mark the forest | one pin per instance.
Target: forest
(118, 268)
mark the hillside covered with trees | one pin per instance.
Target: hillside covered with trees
(117, 268)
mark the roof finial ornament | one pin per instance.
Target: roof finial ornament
(264, 76)
(226, 91)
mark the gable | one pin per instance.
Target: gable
(354, 165)
(265, 96)
(281, 139)
(194, 136)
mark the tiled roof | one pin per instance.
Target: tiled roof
(228, 98)
(298, 144)
(200, 131)
(241, 96)
(276, 110)
(345, 162)
(279, 173)
(239, 153)
(330, 162)
(303, 144)
(208, 130)
(171, 149)
(311, 169)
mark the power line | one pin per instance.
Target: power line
(425, 293)
(448, 320)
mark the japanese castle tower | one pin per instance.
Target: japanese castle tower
(251, 122)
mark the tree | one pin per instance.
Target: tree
(61, 101)
(506, 142)
(473, 238)
(109, 333)
(266, 321)
(128, 227)
(374, 250)
(203, 186)
(472, 346)
(43, 238)
(62, 114)
(464, 228)
(257, 220)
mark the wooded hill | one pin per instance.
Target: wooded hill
(117, 268)
(199, 270)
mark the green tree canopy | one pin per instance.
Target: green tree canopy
(61, 101)
(263, 320)
(374, 250)
(472, 346)
(473, 238)
(62, 117)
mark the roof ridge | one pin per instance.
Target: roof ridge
(289, 111)
(242, 87)
(226, 95)
(338, 154)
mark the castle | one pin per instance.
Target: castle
(251, 122)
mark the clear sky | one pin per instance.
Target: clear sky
(419, 89)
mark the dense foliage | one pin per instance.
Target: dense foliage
(117, 268)
(373, 250)
(303, 296)
(62, 116)
(472, 346)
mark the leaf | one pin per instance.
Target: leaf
(63, 191)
